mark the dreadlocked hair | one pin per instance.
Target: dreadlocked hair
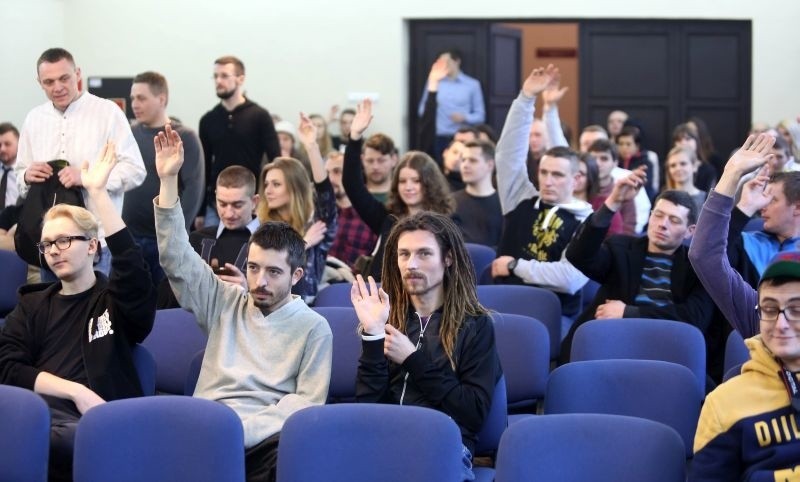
(460, 294)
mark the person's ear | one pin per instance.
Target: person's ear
(297, 275)
(689, 231)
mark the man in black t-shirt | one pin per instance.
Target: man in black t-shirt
(77, 333)
(478, 204)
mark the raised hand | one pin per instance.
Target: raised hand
(626, 188)
(753, 154)
(755, 193)
(306, 131)
(437, 73)
(371, 305)
(361, 120)
(538, 80)
(95, 177)
(169, 152)
(553, 93)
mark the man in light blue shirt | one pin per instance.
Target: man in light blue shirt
(458, 101)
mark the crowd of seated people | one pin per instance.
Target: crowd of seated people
(253, 217)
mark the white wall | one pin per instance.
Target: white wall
(307, 54)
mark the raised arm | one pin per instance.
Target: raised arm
(551, 96)
(513, 185)
(708, 252)
(371, 211)
(307, 132)
(427, 125)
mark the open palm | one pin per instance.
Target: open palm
(753, 153)
(169, 152)
(362, 118)
(371, 305)
(96, 175)
(306, 131)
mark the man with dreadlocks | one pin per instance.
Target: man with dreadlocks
(426, 340)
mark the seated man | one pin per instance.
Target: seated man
(70, 341)
(778, 202)
(478, 204)
(748, 425)
(268, 354)
(640, 277)
(224, 247)
(538, 223)
(452, 363)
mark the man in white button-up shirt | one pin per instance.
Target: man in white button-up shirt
(74, 126)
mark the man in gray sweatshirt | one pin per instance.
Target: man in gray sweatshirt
(268, 354)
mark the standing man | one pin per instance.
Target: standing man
(9, 140)
(74, 126)
(149, 98)
(478, 204)
(70, 341)
(268, 354)
(459, 101)
(427, 295)
(748, 427)
(235, 132)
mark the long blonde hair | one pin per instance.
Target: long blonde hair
(301, 202)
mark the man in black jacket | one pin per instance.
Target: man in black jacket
(641, 277)
(434, 346)
(71, 341)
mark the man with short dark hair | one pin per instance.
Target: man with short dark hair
(478, 204)
(236, 132)
(379, 158)
(149, 99)
(74, 126)
(538, 223)
(748, 427)
(777, 199)
(268, 354)
(427, 295)
(9, 141)
(640, 277)
(605, 156)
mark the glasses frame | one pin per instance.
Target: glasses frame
(45, 246)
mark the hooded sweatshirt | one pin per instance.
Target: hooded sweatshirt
(748, 429)
(535, 233)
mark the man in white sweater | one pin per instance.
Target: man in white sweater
(268, 354)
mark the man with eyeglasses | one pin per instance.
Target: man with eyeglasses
(237, 132)
(640, 277)
(70, 341)
(749, 427)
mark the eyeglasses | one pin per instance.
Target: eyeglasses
(770, 313)
(61, 243)
(224, 76)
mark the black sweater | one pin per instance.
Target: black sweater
(464, 394)
(126, 302)
(241, 137)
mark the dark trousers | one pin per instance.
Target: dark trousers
(261, 461)
(62, 443)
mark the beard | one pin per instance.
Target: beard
(269, 300)
(225, 94)
(417, 284)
